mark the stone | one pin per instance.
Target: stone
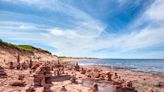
(115, 76)
(3, 74)
(11, 65)
(63, 89)
(21, 77)
(77, 67)
(109, 76)
(18, 66)
(116, 82)
(82, 71)
(73, 80)
(47, 89)
(24, 66)
(129, 84)
(18, 63)
(61, 70)
(95, 88)
(159, 84)
(29, 89)
(42, 76)
(150, 90)
(97, 75)
(57, 72)
(35, 66)
(30, 63)
(17, 83)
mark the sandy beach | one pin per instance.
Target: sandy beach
(64, 77)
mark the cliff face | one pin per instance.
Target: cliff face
(9, 52)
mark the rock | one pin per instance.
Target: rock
(77, 67)
(82, 71)
(42, 76)
(73, 80)
(35, 66)
(24, 66)
(21, 77)
(11, 65)
(63, 89)
(3, 74)
(57, 72)
(97, 75)
(129, 84)
(17, 83)
(47, 89)
(109, 76)
(95, 88)
(115, 76)
(31, 63)
(18, 62)
(29, 89)
(150, 90)
(160, 84)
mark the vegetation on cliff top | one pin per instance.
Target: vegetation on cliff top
(65, 57)
(22, 47)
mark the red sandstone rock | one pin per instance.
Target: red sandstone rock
(150, 90)
(17, 83)
(73, 80)
(95, 88)
(21, 77)
(63, 89)
(2, 72)
(42, 76)
(11, 65)
(109, 76)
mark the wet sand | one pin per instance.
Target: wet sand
(141, 80)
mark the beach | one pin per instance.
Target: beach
(65, 77)
(141, 81)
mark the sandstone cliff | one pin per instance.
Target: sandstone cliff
(9, 52)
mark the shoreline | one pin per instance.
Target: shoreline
(141, 80)
(129, 69)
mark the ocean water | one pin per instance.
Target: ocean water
(144, 65)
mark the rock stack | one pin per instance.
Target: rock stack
(77, 67)
(11, 65)
(109, 76)
(2, 72)
(18, 63)
(42, 76)
(95, 88)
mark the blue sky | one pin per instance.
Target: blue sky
(86, 28)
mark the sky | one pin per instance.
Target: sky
(86, 28)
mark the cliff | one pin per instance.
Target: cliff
(9, 52)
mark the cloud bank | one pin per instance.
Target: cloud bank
(89, 36)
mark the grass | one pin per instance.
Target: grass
(25, 47)
(22, 47)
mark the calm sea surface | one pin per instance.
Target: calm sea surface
(145, 65)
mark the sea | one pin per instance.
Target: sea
(143, 65)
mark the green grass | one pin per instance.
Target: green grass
(22, 47)
(25, 47)
(7, 44)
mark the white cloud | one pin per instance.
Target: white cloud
(86, 36)
(21, 31)
(83, 44)
(156, 11)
